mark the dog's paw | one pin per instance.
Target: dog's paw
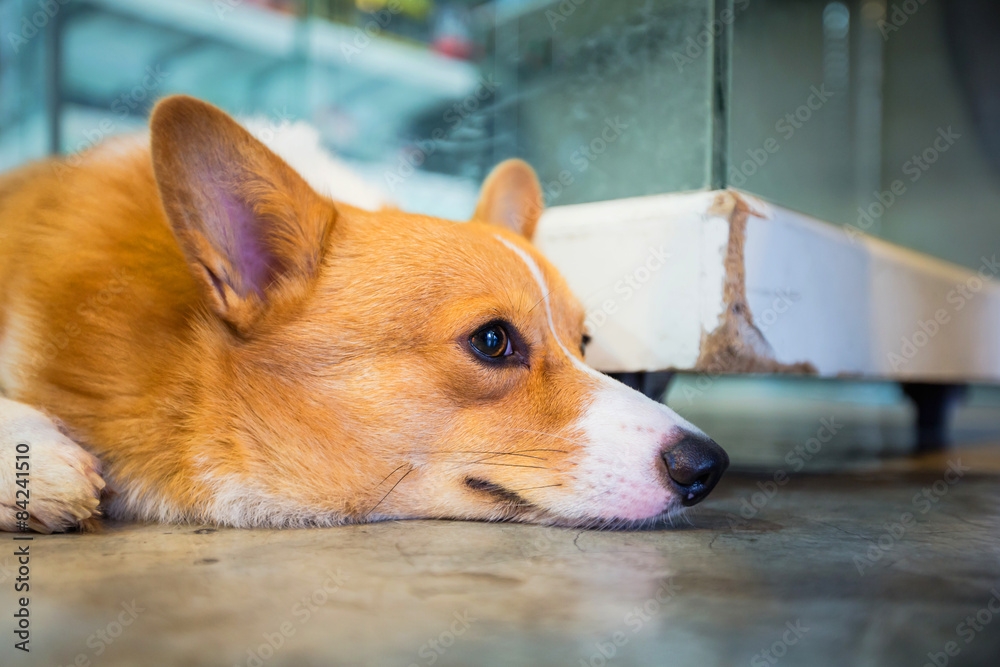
(62, 487)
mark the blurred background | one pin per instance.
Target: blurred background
(816, 105)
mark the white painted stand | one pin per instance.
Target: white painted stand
(723, 282)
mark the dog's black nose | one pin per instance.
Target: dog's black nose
(695, 465)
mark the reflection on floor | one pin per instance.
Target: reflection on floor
(874, 568)
(828, 425)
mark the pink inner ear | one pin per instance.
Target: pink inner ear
(510, 209)
(241, 237)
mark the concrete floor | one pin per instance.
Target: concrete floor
(820, 574)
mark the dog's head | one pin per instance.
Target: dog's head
(381, 364)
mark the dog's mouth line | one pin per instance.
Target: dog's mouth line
(516, 503)
(498, 492)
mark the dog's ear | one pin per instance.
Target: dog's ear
(250, 227)
(511, 197)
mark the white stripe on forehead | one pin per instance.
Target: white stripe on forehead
(608, 383)
(536, 273)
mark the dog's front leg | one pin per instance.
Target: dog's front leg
(48, 483)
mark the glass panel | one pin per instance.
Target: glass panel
(830, 107)
(903, 139)
(804, 114)
(609, 100)
(942, 132)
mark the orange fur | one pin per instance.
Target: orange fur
(303, 398)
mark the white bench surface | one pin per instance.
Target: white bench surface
(747, 286)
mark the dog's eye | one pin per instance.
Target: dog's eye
(492, 341)
(584, 342)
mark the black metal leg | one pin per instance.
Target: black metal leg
(653, 384)
(935, 404)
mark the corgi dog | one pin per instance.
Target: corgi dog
(190, 333)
